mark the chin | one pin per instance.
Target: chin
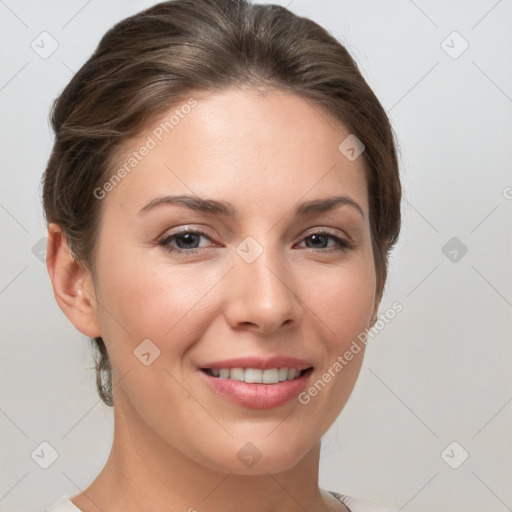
(256, 459)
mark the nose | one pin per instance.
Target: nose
(262, 295)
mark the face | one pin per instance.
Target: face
(262, 280)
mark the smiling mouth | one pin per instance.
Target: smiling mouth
(256, 375)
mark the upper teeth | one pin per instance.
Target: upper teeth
(256, 375)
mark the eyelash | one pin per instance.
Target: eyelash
(343, 245)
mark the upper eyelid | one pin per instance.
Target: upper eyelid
(308, 233)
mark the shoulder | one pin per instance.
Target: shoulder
(359, 505)
(63, 504)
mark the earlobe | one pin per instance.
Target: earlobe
(73, 286)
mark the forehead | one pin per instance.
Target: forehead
(254, 145)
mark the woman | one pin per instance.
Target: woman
(221, 199)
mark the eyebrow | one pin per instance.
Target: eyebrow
(228, 210)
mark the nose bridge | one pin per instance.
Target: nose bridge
(263, 289)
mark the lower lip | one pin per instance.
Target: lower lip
(257, 396)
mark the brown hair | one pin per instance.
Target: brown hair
(154, 59)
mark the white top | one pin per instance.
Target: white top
(358, 505)
(64, 504)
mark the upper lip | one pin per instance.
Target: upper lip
(263, 363)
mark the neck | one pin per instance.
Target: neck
(143, 472)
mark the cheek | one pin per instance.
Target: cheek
(165, 303)
(343, 298)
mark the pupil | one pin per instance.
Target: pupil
(186, 236)
(317, 238)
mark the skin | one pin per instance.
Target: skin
(176, 441)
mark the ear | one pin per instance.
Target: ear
(378, 298)
(73, 286)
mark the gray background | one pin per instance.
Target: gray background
(439, 372)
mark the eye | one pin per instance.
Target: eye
(320, 238)
(185, 240)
